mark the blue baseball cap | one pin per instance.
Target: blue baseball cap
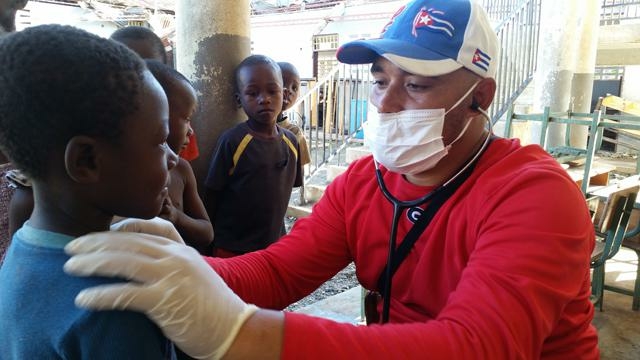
(432, 38)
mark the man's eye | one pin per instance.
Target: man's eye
(416, 86)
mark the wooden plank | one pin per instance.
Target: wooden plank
(610, 204)
(599, 174)
(620, 104)
(600, 179)
(628, 182)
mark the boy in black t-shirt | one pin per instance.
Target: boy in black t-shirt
(255, 162)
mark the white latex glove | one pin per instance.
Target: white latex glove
(172, 284)
(156, 226)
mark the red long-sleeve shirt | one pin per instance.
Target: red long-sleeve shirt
(502, 271)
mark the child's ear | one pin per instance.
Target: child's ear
(81, 159)
(238, 102)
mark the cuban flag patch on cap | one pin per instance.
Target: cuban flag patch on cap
(431, 19)
(481, 60)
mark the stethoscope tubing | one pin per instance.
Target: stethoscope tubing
(399, 206)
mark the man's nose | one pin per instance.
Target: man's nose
(190, 131)
(387, 100)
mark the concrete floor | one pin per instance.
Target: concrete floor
(618, 326)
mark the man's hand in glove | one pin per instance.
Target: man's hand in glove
(155, 226)
(171, 283)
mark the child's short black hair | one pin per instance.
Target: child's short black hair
(57, 82)
(165, 74)
(287, 66)
(140, 33)
(252, 61)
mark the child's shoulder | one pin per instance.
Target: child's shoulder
(183, 169)
(288, 134)
(288, 125)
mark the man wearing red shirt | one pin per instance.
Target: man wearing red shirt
(500, 272)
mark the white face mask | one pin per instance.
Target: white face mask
(410, 141)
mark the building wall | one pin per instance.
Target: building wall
(289, 37)
(631, 83)
(37, 13)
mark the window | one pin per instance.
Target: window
(325, 42)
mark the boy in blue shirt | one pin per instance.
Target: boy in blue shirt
(96, 124)
(256, 162)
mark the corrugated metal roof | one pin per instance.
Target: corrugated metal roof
(257, 6)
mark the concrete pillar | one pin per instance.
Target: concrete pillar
(212, 38)
(556, 63)
(582, 86)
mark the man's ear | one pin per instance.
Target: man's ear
(483, 94)
(81, 159)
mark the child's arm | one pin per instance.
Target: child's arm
(305, 155)
(299, 180)
(192, 221)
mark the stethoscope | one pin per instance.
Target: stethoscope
(399, 206)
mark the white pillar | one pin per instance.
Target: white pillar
(213, 36)
(557, 51)
(582, 86)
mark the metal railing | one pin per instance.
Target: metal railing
(616, 11)
(498, 10)
(331, 114)
(518, 34)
